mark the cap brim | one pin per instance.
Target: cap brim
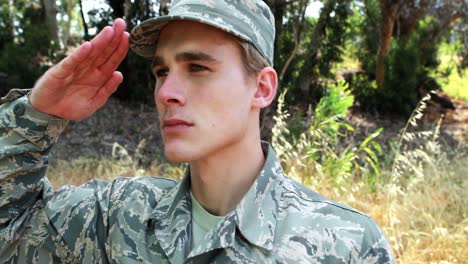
(144, 37)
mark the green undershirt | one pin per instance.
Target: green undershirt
(202, 221)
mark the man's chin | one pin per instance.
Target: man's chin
(176, 155)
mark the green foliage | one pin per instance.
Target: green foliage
(319, 151)
(367, 29)
(321, 46)
(407, 66)
(6, 24)
(403, 73)
(27, 50)
(403, 68)
(328, 114)
(451, 73)
(455, 85)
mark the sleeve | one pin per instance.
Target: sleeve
(36, 222)
(375, 248)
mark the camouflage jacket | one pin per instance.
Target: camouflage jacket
(148, 220)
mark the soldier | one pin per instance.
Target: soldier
(213, 64)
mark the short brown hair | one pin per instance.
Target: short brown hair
(254, 63)
(252, 59)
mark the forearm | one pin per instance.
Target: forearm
(67, 224)
(26, 137)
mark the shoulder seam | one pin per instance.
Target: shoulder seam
(144, 177)
(342, 207)
(326, 200)
(158, 178)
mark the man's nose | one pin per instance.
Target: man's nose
(170, 92)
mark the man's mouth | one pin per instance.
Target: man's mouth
(175, 125)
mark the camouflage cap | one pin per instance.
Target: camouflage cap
(250, 20)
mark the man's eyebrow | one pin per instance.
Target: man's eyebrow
(185, 56)
(194, 56)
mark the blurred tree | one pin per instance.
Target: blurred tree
(405, 15)
(297, 11)
(325, 46)
(50, 12)
(85, 26)
(71, 26)
(7, 22)
(398, 49)
(68, 9)
(389, 11)
(26, 49)
(306, 47)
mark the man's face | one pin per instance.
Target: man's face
(202, 93)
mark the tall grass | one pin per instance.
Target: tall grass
(79, 171)
(419, 199)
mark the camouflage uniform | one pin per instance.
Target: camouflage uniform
(249, 20)
(148, 220)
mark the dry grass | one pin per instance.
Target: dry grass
(80, 171)
(419, 200)
(426, 220)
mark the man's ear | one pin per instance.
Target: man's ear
(267, 85)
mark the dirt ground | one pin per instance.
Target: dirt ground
(115, 123)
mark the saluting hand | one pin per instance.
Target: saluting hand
(81, 83)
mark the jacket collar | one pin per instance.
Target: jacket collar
(173, 221)
(258, 209)
(254, 217)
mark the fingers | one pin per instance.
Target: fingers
(93, 75)
(101, 41)
(104, 45)
(118, 55)
(71, 62)
(119, 29)
(107, 90)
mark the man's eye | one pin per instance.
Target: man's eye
(197, 68)
(162, 73)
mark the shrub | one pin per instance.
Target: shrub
(318, 151)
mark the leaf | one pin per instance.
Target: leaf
(372, 155)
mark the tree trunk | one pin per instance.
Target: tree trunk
(50, 9)
(278, 7)
(85, 26)
(389, 11)
(66, 33)
(409, 23)
(318, 34)
(11, 16)
(299, 25)
(119, 7)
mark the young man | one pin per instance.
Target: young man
(212, 61)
